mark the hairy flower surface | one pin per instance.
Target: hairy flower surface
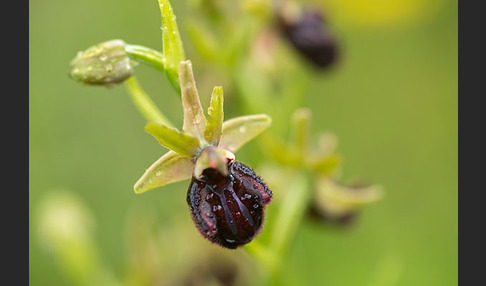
(226, 198)
(228, 210)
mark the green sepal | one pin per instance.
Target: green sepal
(169, 168)
(179, 142)
(238, 131)
(278, 150)
(214, 126)
(173, 50)
(194, 119)
(345, 197)
(327, 165)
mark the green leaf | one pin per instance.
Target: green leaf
(169, 168)
(214, 127)
(183, 144)
(194, 119)
(173, 50)
(239, 130)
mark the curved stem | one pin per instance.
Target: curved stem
(146, 56)
(144, 104)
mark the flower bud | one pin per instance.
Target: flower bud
(228, 210)
(104, 64)
(309, 35)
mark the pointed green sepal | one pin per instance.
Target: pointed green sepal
(194, 119)
(170, 168)
(181, 143)
(238, 131)
(323, 159)
(214, 127)
(173, 50)
(327, 165)
(214, 158)
(330, 193)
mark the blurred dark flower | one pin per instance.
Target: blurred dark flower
(310, 36)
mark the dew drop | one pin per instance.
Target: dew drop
(246, 197)
(242, 128)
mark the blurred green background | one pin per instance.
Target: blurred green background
(392, 102)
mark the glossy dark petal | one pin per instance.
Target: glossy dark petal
(228, 210)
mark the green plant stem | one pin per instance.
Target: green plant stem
(291, 213)
(146, 56)
(144, 104)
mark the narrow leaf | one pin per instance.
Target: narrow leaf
(169, 168)
(214, 127)
(174, 140)
(240, 130)
(194, 119)
(173, 50)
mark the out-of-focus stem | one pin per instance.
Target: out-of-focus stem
(286, 225)
(144, 104)
(291, 212)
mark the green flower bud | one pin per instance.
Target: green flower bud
(104, 64)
